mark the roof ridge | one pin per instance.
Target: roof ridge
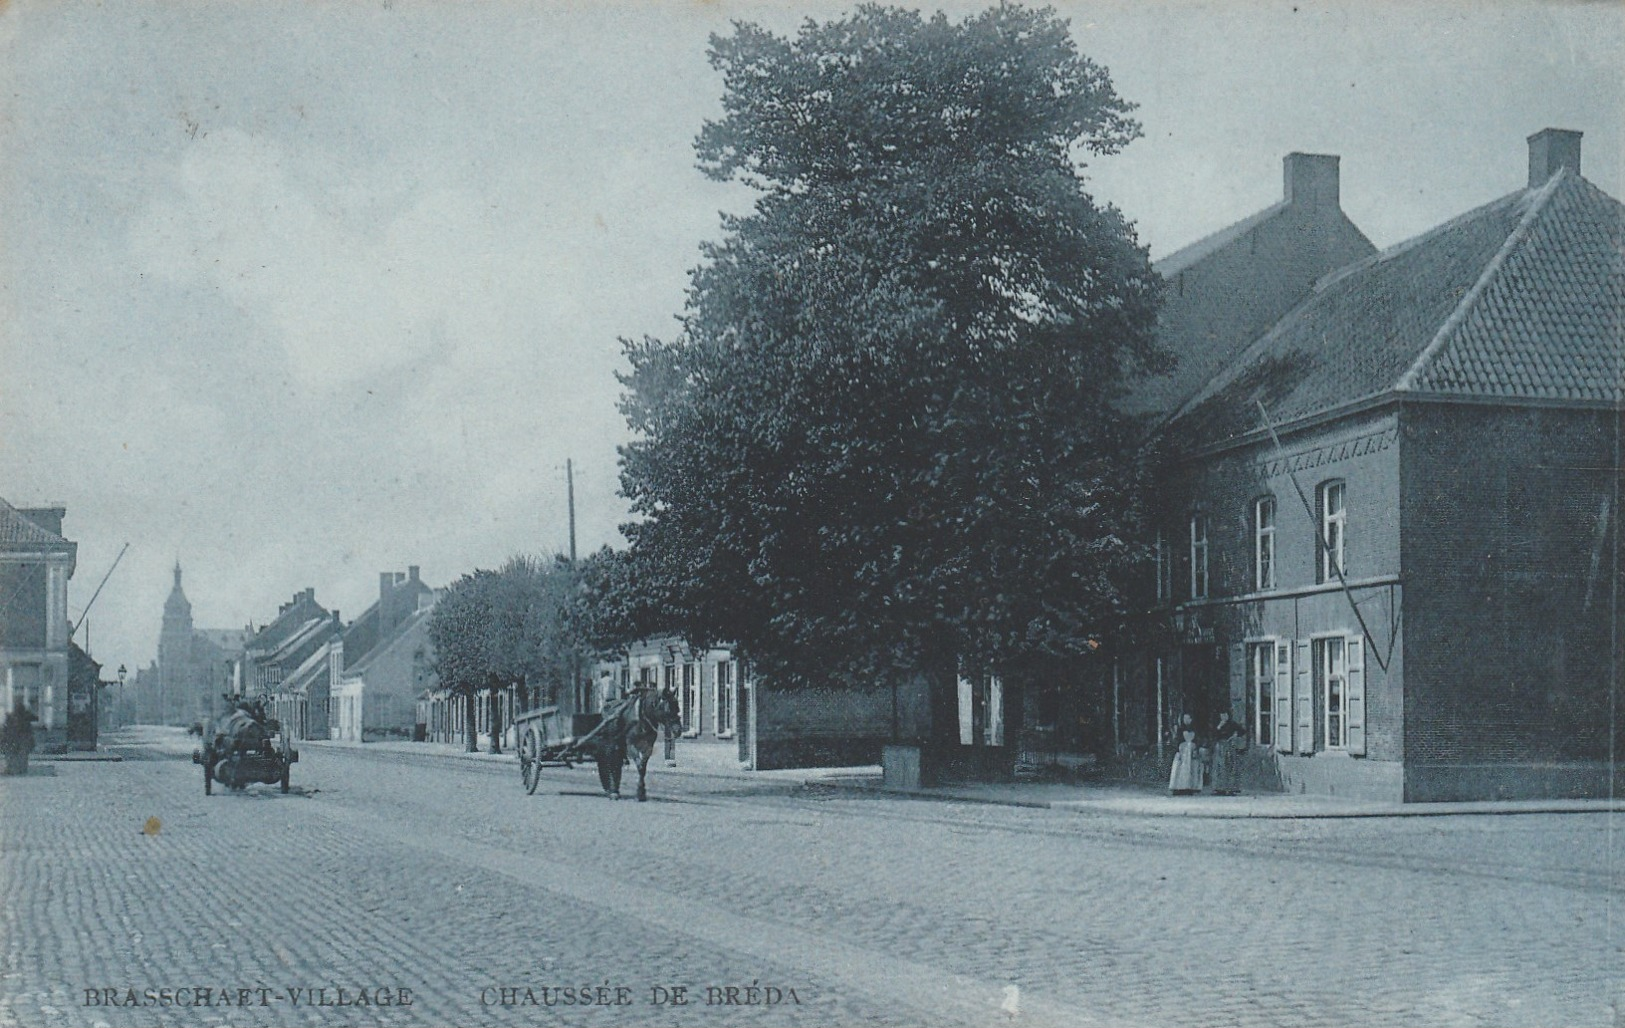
(1537, 206)
(1203, 246)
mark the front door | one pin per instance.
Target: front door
(1201, 683)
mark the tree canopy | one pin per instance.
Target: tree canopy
(512, 624)
(885, 430)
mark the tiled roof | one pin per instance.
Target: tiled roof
(15, 528)
(1520, 299)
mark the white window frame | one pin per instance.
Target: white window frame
(688, 698)
(1262, 655)
(725, 696)
(1331, 655)
(1333, 529)
(1199, 550)
(1264, 543)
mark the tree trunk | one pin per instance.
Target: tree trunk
(471, 724)
(496, 719)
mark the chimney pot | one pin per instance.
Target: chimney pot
(1311, 178)
(412, 572)
(1552, 149)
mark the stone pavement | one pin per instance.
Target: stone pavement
(450, 882)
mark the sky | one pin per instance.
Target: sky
(298, 293)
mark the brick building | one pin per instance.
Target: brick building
(1413, 593)
(1223, 291)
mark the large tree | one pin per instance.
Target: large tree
(884, 438)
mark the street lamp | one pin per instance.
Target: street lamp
(121, 712)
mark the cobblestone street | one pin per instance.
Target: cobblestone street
(380, 877)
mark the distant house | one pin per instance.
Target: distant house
(35, 663)
(388, 662)
(1412, 593)
(291, 660)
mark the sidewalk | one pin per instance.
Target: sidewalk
(1141, 801)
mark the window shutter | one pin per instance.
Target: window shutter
(1283, 698)
(1238, 678)
(967, 712)
(1356, 695)
(1304, 698)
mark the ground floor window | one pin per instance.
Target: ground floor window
(725, 697)
(1331, 681)
(689, 700)
(1261, 691)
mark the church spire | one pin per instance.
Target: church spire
(177, 572)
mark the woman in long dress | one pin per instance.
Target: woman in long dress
(1186, 777)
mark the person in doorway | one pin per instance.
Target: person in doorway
(1186, 777)
(1229, 741)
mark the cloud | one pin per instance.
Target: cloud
(348, 294)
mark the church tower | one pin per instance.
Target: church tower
(176, 676)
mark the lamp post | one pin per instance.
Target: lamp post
(120, 718)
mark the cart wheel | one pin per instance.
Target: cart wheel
(530, 771)
(208, 778)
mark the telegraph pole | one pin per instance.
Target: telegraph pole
(570, 490)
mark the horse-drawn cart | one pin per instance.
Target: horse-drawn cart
(631, 723)
(547, 738)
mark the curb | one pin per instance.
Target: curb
(1108, 808)
(99, 757)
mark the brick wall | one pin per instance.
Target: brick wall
(1512, 599)
(830, 727)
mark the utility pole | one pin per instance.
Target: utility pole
(570, 490)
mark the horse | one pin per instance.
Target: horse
(635, 724)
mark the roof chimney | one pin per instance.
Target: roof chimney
(1311, 178)
(412, 572)
(1551, 149)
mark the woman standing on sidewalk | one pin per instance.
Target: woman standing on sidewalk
(1186, 776)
